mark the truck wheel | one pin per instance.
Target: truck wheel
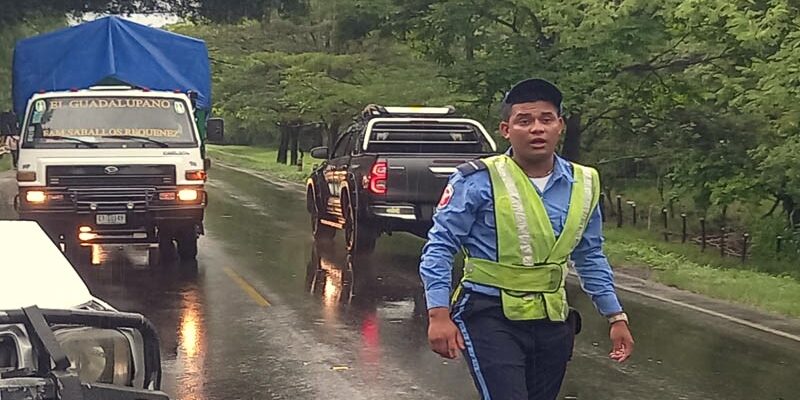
(318, 229)
(359, 237)
(79, 256)
(166, 246)
(187, 244)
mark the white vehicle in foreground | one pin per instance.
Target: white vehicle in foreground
(59, 342)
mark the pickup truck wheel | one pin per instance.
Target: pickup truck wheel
(318, 229)
(187, 244)
(359, 237)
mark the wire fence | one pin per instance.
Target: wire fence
(683, 227)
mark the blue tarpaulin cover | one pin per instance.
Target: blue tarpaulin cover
(110, 48)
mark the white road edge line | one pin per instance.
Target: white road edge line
(706, 311)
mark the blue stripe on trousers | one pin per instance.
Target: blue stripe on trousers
(470, 348)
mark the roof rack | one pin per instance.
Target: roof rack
(110, 87)
(374, 111)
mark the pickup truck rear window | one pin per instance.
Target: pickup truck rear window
(426, 137)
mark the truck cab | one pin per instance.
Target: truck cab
(112, 135)
(115, 164)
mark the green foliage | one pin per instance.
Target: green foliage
(700, 92)
(9, 35)
(270, 76)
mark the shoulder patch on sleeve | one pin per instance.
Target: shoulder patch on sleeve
(471, 167)
(446, 196)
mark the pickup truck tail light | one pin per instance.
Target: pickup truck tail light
(377, 177)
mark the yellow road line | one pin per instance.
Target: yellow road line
(248, 288)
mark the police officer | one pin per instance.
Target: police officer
(521, 218)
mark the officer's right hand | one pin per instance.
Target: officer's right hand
(443, 335)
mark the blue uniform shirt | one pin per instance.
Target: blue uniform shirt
(468, 221)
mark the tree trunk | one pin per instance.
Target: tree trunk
(293, 133)
(283, 147)
(333, 134)
(572, 139)
(469, 46)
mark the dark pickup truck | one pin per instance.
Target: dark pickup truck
(387, 172)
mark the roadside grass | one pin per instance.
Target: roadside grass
(686, 267)
(258, 159)
(5, 162)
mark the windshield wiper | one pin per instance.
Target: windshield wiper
(73, 139)
(140, 138)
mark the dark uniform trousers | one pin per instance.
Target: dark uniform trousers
(512, 360)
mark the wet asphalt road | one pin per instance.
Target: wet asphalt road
(268, 314)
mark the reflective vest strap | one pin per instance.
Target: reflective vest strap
(580, 207)
(514, 244)
(585, 195)
(544, 278)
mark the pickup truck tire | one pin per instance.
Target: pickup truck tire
(359, 237)
(318, 229)
(187, 243)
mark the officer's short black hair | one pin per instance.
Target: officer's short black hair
(529, 91)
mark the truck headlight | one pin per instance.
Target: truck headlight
(35, 196)
(187, 195)
(98, 355)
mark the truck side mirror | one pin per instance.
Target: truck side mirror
(215, 130)
(320, 153)
(8, 124)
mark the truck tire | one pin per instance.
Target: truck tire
(359, 236)
(166, 245)
(319, 230)
(79, 256)
(187, 244)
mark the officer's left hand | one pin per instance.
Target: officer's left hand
(621, 341)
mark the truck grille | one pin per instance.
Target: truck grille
(111, 175)
(104, 200)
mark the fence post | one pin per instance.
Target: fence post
(779, 244)
(671, 209)
(619, 211)
(745, 240)
(603, 206)
(666, 224)
(633, 206)
(683, 218)
(722, 242)
(702, 234)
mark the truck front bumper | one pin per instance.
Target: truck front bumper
(112, 215)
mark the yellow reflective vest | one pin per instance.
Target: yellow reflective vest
(532, 264)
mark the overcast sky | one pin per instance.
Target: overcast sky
(154, 20)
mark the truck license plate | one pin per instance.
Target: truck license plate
(111, 219)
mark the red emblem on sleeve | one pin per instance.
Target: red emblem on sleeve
(446, 196)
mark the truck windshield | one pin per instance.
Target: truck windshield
(107, 122)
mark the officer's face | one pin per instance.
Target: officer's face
(533, 129)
